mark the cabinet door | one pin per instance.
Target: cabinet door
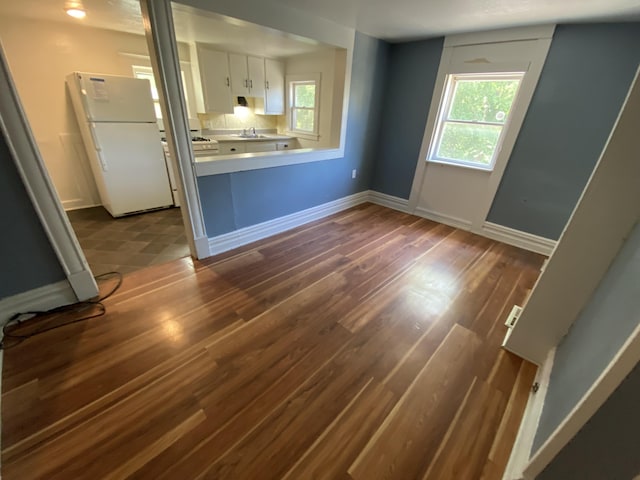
(214, 76)
(256, 76)
(239, 75)
(261, 147)
(274, 93)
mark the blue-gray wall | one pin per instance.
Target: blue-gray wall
(413, 68)
(237, 200)
(584, 82)
(585, 78)
(595, 337)
(26, 257)
(607, 447)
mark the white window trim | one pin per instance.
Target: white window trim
(310, 77)
(533, 65)
(447, 98)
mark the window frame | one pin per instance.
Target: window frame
(444, 111)
(146, 71)
(291, 81)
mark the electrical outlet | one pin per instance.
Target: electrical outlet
(354, 173)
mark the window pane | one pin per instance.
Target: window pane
(305, 95)
(303, 120)
(483, 100)
(470, 143)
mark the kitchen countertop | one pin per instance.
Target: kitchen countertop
(268, 137)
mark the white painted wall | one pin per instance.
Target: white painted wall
(40, 55)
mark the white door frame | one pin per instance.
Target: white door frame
(543, 34)
(38, 184)
(163, 51)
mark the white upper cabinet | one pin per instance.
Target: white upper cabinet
(212, 68)
(247, 75)
(256, 76)
(274, 87)
(239, 75)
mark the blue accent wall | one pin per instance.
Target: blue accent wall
(237, 200)
(26, 256)
(411, 78)
(607, 446)
(594, 339)
(584, 82)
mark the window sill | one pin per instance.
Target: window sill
(303, 135)
(488, 168)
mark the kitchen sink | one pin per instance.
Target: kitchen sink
(250, 135)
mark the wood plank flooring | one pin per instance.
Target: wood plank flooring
(359, 347)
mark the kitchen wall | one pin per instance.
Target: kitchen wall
(329, 64)
(585, 79)
(236, 200)
(245, 118)
(26, 256)
(40, 55)
(595, 337)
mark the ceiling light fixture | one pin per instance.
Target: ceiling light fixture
(75, 10)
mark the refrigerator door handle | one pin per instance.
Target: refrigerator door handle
(103, 162)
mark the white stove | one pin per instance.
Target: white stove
(202, 147)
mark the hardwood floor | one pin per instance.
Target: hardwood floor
(363, 346)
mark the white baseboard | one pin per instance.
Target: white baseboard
(518, 238)
(521, 452)
(389, 201)
(42, 298)
(77, 204)
(237, 238)
(443, 218)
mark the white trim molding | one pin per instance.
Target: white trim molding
(518, 238)
(443, 218)
(389, 201)
(521, 451)
(40, 189)
(243, 236)
(621, 365)
(39, 299)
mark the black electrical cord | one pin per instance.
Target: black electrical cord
(73, 308)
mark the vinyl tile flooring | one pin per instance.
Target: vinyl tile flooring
(129, 243)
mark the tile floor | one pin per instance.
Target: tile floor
(129, 243)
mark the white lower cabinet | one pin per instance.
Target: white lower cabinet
(261, 147)
(230, 148)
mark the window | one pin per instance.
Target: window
(147, 74)
(303, 104)
(473, 117)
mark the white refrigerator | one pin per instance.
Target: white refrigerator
(118, 125)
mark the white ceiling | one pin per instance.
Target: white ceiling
(190, 24)
(397, 20)
(393, 20)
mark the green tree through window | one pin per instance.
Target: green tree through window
(474, 114)
(303, 106)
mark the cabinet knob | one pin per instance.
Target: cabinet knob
(228, 82)
(233, 149)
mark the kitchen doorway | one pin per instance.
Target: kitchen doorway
(125, 243)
